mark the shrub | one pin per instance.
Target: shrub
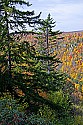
(10, 114)
(60, 116)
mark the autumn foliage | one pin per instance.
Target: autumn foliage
(70, 51)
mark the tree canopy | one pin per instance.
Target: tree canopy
(20, 67)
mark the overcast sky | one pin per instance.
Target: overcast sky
(68, 14)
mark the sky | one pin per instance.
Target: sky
(68, 14)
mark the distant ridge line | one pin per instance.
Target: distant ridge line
(73, 31)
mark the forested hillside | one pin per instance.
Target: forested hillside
(69, 48)
(41, 80)
(70, 51)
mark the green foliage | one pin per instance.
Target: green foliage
(28, 78)
(46, 42)
(78, 120)
(61, 115)
(10, 114)
(23, 71)
(14, 17)
(11, 20)
(63, 100)
(47, 113)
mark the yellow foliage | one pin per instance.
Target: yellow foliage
(74, 75)
(81, 79)
(82, 88)
(77, 86)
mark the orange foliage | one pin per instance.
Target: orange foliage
(70, 52)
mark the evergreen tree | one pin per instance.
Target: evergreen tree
(12, 19)
(21, 73)
(47, 39)
(46, 42)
